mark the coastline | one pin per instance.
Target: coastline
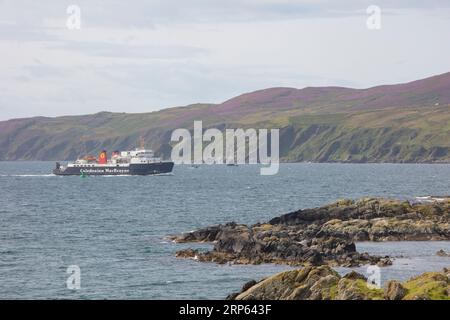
(324, 236)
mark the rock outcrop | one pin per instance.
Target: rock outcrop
(394, 290)
(324, 235)
(323, 283)
(372, 219)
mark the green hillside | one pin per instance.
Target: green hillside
(399, 123)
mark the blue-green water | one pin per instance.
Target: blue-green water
(113, 228)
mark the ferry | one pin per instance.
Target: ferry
(136, 162)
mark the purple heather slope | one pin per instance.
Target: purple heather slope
(426, 92)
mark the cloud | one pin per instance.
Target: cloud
(107, 49)
(148, 14)
(154, 54)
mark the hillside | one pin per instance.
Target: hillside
(391, 123)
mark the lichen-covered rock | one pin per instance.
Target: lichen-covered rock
(356, 289)
(428, 286)
(394, 290)
(353, 275)
(308, 283)
(323, 283)
(365, 209)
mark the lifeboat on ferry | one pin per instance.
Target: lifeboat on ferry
(90, 159)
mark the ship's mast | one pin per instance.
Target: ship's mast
(83, 140)
(141, 142)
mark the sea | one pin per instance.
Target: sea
(109, 232)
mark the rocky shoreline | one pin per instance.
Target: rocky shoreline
(324, 235)
(323, 283)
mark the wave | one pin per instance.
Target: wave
(28, 175)
(54, 175)
(131, 175)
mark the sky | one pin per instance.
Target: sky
(142, 56)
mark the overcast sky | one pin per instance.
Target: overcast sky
(140, 56)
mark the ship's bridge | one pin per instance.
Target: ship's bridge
(142, 156)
